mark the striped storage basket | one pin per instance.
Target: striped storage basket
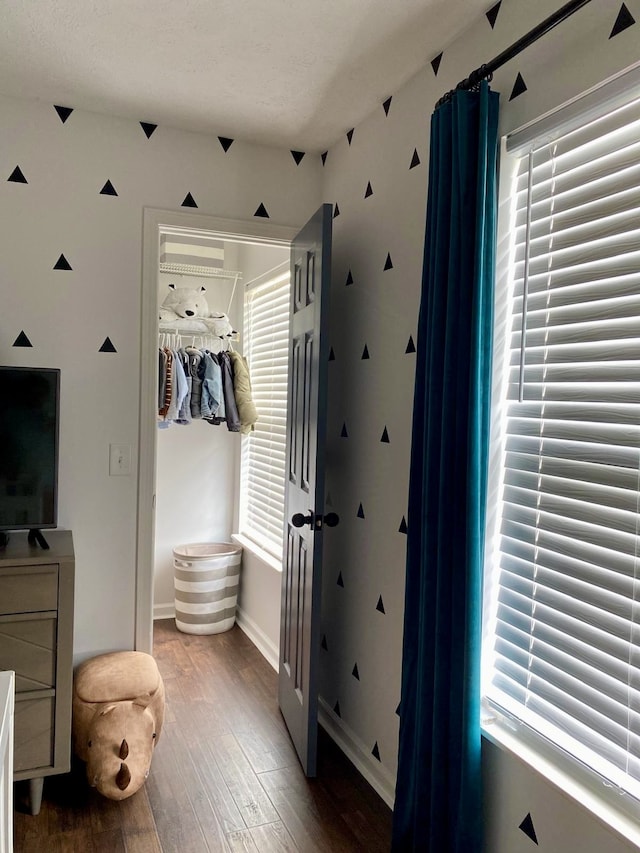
(206, 577)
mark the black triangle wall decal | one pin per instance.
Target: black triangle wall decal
(323, 644)
(336, 211)
(63, 112)
(386, 105)
(388, 264)
(435, 63)
(411, 347)
(332, 355)
(385, 436)
(297, 156)
(22, 341)
(527, 827)
(398, 708)
(262, 211)
(340, 582)
(349, 278)
(403, 526)
(189, 201)
(108, 189)
(625, 19)
(375, 751)
(323, 157)
(492, 14)
(107, 346)
(344, 433)
(336, 709)
(62, 264)
(148, 128)
(380, 606)
(225, 142)
(368, 190)
(350, 135)
(360, 512)
(354, 671)
(415, 160)
(518, 87)
(365, 353)
(17, 177)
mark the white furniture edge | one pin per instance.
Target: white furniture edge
(7, 699)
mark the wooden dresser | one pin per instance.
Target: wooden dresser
(36, 642)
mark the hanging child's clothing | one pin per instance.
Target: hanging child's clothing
(194, 357)
(233, 421)
(184, 412)
(242, 390)
(168, 384)
(211, 397)
(195, 384)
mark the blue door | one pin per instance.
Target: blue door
(305, 521)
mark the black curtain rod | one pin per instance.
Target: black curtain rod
(485, 72)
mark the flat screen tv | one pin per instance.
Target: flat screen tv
(29, 421)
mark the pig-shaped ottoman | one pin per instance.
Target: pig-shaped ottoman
(118, 710)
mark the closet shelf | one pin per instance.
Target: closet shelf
(192, 269)
(179, 329)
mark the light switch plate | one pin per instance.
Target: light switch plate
(119, 460)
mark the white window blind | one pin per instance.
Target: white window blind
(565, 655)
(266, 333)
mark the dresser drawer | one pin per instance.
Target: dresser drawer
(33, 733)
(27, 645)
(28, 589)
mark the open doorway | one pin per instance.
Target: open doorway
(163, 520)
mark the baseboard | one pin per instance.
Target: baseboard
(380, 779)
(164, 611)
(257, 636)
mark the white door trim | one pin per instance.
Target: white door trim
(156, 222)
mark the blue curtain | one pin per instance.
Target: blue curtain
(438, 806)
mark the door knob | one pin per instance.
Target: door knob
(331, 519)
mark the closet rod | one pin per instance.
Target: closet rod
(485, 72)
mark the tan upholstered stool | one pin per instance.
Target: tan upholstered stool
(118, 710)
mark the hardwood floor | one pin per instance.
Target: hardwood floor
(224, 776)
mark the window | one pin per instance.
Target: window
(562, 633)
(262, 474)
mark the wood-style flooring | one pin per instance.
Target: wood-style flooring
(224, 775)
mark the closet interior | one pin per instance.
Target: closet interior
(198, 449)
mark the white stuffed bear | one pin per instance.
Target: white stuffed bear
(186, 309)
(184, 302)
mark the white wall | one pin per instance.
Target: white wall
(258, 261)
(195, 496)
(380, 309)
(561, 824)
(259, 603)
(68, 314)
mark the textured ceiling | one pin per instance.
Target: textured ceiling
(296, 73)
